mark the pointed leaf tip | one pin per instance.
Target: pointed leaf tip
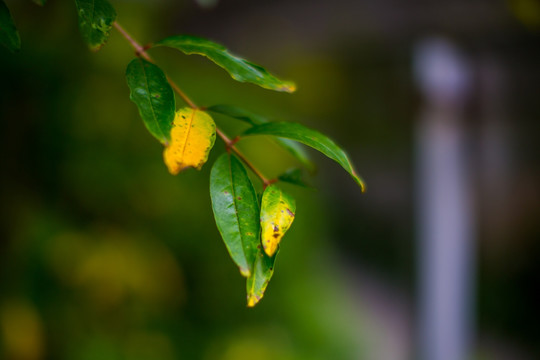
(192, 135)
(256, 284)
(359, 181)
(252, 301)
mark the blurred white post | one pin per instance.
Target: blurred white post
(446, 246)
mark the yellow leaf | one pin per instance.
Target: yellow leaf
(277, 215)
(192, 136)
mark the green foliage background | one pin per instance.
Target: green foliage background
(106, 255)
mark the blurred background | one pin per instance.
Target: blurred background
(104, 255)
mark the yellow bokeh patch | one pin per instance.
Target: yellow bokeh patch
(192, 137)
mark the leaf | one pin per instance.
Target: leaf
(256, 284)
(9, 36)
(154, 97)
(192, 137)
(40, 2)
(295, 149)
(239, 69)
(236, 210)
(307, 136)
(96, 18)
(294, 176)
(277, 215)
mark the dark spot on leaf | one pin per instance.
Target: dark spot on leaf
(183, 117)
(276, 228)
(290, 212)
(226, 192)
(282, 202)
(239, 198)
(276, 235)
(157, 96)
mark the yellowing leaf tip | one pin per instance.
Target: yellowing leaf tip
(270, 246)
(289, 87)
(252, 300)
(359, 181)
(245, 272)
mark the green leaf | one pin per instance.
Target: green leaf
(9, 36)
(294, 176)
(295, 149)
(236, 211)
(154, 97)
(307, 136)
(262, 273)
(277, 215)
(239, 69)
(40, 2)
(96, 18)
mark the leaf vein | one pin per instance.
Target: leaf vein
(188, 132)
(233, 191)
(149, 98)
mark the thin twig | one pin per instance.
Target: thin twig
(181, 93)
(230, 145)
(138, 48)
(141, 51)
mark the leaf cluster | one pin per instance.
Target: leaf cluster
(252, 226)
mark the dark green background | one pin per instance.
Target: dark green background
(104, 255)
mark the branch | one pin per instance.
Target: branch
(141, 51)
(230, 145)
